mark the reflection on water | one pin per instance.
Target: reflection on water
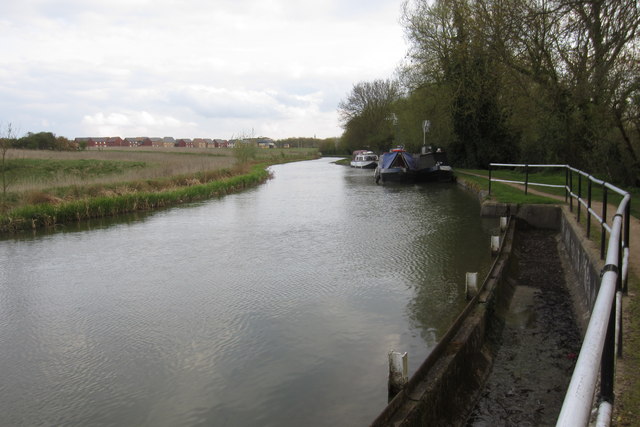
(273, 307)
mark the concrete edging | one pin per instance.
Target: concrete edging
(445, 387)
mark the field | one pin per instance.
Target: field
(35, 169)
(43, 188)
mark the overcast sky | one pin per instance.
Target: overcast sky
(190, 68)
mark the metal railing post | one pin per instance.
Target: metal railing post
(489, 178)
(627, 234)
(570, 190)
(589, 209)
(566, 184)
(579, 194)
(608, 359)
(619, 286)
(526, 179)
(603, 236)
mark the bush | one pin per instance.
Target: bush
(244, 151)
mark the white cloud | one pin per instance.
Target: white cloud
(277, 65)
(133, 123)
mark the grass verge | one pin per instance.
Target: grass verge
(628, 390)
(504, 192)
(500, 192)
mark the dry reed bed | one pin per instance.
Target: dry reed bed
(172, 179)
(51, 214)
(159, 163)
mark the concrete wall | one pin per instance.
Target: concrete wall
(445, 387)
(538, 216)
(585, 261)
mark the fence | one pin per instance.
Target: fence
(598, 351)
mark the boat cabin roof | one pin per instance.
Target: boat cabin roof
(397, 159)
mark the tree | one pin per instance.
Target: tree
(38, 141)
(244, 148)
(7, 139)
(424, 103)
(451, 51)
(580, 58)
(549, 80)
(366, 115)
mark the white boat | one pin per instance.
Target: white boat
(364, 159)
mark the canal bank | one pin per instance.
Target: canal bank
(510, 360)
(627, 384)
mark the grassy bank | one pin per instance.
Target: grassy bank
(500, 192)
(508, 194)
(102, 194)
(50, 214)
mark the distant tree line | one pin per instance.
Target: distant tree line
(42, 141)
(536, 81)
(326, 146)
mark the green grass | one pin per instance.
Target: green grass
(548, 176)
(503, 193)
(41, 170)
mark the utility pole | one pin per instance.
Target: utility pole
(425, 128)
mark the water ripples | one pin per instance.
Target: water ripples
(275, 306)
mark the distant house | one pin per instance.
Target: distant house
(168, 141)
(146, 142)
(156, 142)
(199, 143)
(266, 143)
(184, 142)
(220, 143)
(97, 142)
(115, 141)
(138, 141)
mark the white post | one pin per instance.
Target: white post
(503, 223)
(398, 372)
(471, 285)
(495, 245)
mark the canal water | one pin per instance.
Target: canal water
(273, 307)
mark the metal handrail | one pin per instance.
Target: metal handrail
(598, 351)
